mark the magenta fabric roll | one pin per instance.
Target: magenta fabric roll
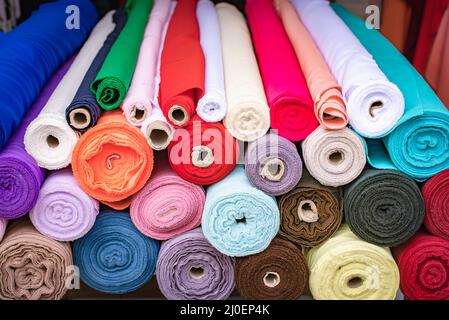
(168, 205)
(63, 211)
(3, 224)
(20, 176)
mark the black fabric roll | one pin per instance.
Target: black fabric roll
(84, 100)
(384, 207)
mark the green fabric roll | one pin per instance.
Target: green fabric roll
(384, 207)
(112, 82)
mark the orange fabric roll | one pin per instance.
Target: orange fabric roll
(112, 161)
(330, 108)
(182, 65)
(396, 15)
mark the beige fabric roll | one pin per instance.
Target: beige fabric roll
(32, 266)
(248, 115)
(334, 158)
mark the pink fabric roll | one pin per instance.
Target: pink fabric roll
(140, 97)
(168, 205)
(3, 224)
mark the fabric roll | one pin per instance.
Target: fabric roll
(248, 115)
(419, 146)
(396, 16)
(278, 273)
(3, 225)
(156, 128)
(113, 79)
(182, 65)
(49, 139)
(212, 106)
(114, 257)
(189, 268)
(20, 176)
(311, 213)
(436, 200)
(330, 106)
(63, 211)
(347, 268)
(273, 164)
(203, 153)
(112, 161)
(384, 207)
(137, 105)
(167, 205)
(291, 107)
(374, 104)
(424, 268)
(32, 266)
(32, 52)
(238, 219)
(334, 158)
(84, 111)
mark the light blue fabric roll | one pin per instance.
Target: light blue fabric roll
(419, 145)
(114, 257)
(238, 219)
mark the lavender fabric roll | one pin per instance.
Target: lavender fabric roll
(189, 268)
(63, 210)
(3, 225)
(273, 165)
(20, 176)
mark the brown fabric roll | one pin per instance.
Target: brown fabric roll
(32, 266)
(310, 213)
(278, 273)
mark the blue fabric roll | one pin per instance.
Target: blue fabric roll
(114, 257)
(33, 51)
(238, 219)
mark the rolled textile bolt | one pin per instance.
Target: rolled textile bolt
(79, 118)
(3, 225)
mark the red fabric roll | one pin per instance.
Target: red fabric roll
(203, 153)
(182, 65)
(423, 263)
(291, 107)
(436, 198)
(433, 14)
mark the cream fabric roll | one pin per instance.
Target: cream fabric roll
(49, 139)
(3, 225)
(374, 104)
(212, 106)
(334, 158)
(347, 268)
(248, 115)
(158, 131)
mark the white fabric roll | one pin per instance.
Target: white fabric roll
(374, 104)
(3, 224)
(212, 106)
(49, 139)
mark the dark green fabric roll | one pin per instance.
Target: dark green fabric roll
(384, 207)
(112, 82)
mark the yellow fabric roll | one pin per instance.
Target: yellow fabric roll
(347, 268)
(248, 116)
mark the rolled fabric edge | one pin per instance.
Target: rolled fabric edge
(435, 219)
(212, 107)
(109, 92)
(3, 225)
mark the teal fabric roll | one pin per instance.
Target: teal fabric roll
(238, 219)
(419, 145)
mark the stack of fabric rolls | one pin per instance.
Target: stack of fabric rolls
(140, 148)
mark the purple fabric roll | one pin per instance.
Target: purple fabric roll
(273, 164)
(20, 176)
(3, 224)
(189, 268)
(63, 211)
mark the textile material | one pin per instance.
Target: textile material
(238, 219)
(189, 268)
(32, 266)
(334, 158)
(112, 161)
(3, 225)
(114, 257)
(168, 205)
(373, 103)
(273, 164)
(384, 207)
(278, 273)
(248, 116)
(63, 211)
(347, 268)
